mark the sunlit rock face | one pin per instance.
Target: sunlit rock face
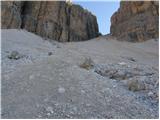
(51, 19)
(136, 21)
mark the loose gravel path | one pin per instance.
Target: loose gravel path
(40, 85)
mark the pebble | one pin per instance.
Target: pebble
(114, 86)
(61, 90)
(31, 77)
(122, 63)
(48, 114)
(50, 110)
(82, 91)
(150, 94)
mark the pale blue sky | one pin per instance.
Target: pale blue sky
(103, 11)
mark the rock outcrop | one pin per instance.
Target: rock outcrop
(56, 20)
(11, 14)
(136, 21)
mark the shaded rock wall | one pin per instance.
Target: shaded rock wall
(10, 14)
(52, 19)
(136, 21)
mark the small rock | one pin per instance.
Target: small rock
(39, 116)
(122, 63)
(61, 90)
(150, 94)
(50, 53)
(48, 114)
(82, 91)
(157, 83)
(50, 110)
(87, 64)
(132, 59)
(14, 55)
(136, 85)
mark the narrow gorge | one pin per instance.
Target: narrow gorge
(55, 63)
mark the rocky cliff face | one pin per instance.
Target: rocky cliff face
(52, 19)
(136, 21)
(10, 14)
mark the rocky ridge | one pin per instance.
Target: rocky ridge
(56, 20)
(139, 23)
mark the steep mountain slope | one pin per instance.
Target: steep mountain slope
(42, 85)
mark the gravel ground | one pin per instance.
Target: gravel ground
(48, 82)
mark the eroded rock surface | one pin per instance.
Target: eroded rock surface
(135, 21)
(10, 14)
(51, 19)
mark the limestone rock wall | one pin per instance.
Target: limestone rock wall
(52, 19)
(10, 14)
(136, 21)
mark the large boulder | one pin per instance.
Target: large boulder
(56, 20)
(136, 21)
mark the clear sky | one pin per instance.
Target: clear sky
(103, 10)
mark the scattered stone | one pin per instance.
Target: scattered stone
(139, 78)
(50, 110)
(87, 64)
(48, 114)
(136, 85)
(61, 90)
(122, 63)
(115, 74)
(14, 55)
(150, 94)
(121, 71)
(50, 53)
(39, 116)
(156, 83)
(131, 59)
(83, 92)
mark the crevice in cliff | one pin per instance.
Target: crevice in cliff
(68, 13)
(59, 17)
(36, 25)
(22, 13)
